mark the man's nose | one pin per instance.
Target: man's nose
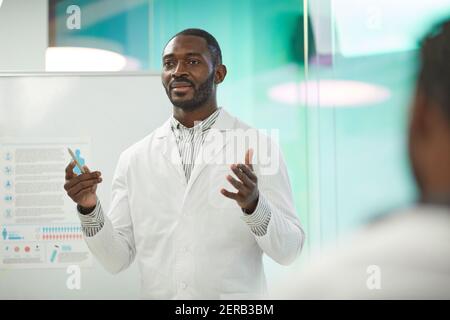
(180, 70)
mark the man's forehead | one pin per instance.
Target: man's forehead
(186, 44)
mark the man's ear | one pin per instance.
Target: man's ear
(221, 72)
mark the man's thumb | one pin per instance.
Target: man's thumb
(86, 169)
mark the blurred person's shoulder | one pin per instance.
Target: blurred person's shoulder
(421, 220)
(403, 255)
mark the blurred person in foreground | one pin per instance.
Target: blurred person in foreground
(405, 255)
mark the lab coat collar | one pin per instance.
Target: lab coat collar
(208, 151)
(212, 147)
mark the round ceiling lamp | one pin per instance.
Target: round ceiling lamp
(75, 59)
(329, 93)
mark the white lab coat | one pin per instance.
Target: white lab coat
(188, 239)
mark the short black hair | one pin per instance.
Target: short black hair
(434, 74)
(213, 45)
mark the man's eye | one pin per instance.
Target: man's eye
(193, 62)
(168, 64)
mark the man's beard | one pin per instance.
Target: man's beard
(201, 95)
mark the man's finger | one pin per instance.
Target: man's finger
(81, 193)
(82, 177)
(237, 184)
(69, 170)
(243, 177)
(229, 194)
(82, 185)
(246, 169)
(249, 158)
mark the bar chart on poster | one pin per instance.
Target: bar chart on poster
(40, 232)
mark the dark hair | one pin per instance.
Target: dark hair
(434, 74)
(213, 45)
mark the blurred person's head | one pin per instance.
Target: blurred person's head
(429, 136)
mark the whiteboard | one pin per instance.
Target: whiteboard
(113, 112)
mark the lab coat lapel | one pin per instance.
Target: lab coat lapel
(214, 143)
(170, 151)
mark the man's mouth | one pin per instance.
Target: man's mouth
(180, 86)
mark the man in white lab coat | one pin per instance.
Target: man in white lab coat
(199, 200)
(405, 254)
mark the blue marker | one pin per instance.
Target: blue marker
(53, 255)
(79, 162)
(52, 258)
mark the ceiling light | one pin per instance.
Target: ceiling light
(329, 93)
(73, 59)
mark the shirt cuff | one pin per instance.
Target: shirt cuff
(259, 220)
(93, 222)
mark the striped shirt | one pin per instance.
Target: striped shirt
(189, 142)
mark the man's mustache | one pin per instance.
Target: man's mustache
(181, 80)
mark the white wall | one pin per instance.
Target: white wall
(115, 111)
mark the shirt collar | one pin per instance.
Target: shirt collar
(203, 125)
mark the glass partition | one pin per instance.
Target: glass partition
(358, 88)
